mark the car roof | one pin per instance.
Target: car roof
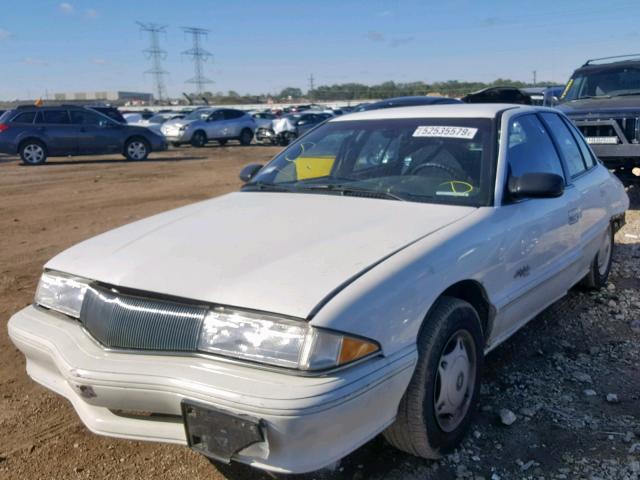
(475, 110)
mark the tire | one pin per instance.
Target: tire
(245, 137)
(222, 142)
(601, 265)
(33, 152)
(136, 149)
(417, 430)
(199, 139)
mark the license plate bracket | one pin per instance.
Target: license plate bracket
(218, 434)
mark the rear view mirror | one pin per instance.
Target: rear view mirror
(250, 171)
(536, 185)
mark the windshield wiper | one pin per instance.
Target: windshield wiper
(360, 192)
(266, 187)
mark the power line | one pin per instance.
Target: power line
(156, 55)
(198, 55)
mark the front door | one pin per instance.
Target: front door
(96, 134)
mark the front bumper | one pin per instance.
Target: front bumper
(309, 421)
(174, 137)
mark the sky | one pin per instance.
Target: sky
(263, 46)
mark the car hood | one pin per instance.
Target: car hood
(602, 107)
(276, 252)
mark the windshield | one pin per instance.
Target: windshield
(201, 114)
(444, 160)
(609, 82)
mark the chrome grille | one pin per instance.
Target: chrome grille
(130, 322)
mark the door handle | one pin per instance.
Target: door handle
(574, 215)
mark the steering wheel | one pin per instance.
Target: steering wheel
(453, 172)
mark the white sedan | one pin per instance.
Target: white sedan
(352, 287)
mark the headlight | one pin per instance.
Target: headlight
(276, 341)
(61, 292)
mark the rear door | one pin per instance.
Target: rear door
(54, 126)
(539, 259)
(589, 184)
(96, 134)
(233, 124)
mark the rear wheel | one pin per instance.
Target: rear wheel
(601, 265)
(136, 149)
(245, 137)
(439, 403)
(33, 152)
(199, 139)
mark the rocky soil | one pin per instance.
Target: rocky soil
(561, 399)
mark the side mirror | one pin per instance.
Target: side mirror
(536, 185)
(250, 171)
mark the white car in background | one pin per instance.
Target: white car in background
(156, 121)
(352, 287)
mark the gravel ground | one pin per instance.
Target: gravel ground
(568, 383)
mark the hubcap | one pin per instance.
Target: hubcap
(455, 381)
(33, 153)
(137, 150)
(604, 254)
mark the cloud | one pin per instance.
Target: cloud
(99, 61)
(91, 13)
(34, 61)
(400, 41)
(375, 36)
(4, 34)
(65, 7)
(491, 21)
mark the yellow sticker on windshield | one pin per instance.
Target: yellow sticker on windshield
(313, 167)
(465, 133)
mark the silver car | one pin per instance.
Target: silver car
(206, 124)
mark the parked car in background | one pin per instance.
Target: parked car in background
(263, 119)
(155, 123)
(503, 94)
(132, 118)
(544, 96)
(207, 124)
(405, 102)
(603, 99)
(289, 127)
(36, 133)
(396, 248)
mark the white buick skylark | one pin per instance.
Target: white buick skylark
(352, 287)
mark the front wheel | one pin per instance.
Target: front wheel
(437, 408)
(33, 152)
(136, 149)
(601, 265)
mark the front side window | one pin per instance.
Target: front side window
(201, 114)
(450, 161)
(53, 117)
(566, 143)
(530, 149)
(82, 117)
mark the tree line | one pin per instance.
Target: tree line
(359, 91)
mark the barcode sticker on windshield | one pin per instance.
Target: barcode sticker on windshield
(466, 133)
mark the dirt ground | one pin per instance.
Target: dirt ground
(554, 375)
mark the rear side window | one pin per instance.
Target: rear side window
(531, 149)
(25, 117)
(588, 157)
(566, 143)
(56, 117)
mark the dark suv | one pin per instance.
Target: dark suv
(603, 99)
(38, 132)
